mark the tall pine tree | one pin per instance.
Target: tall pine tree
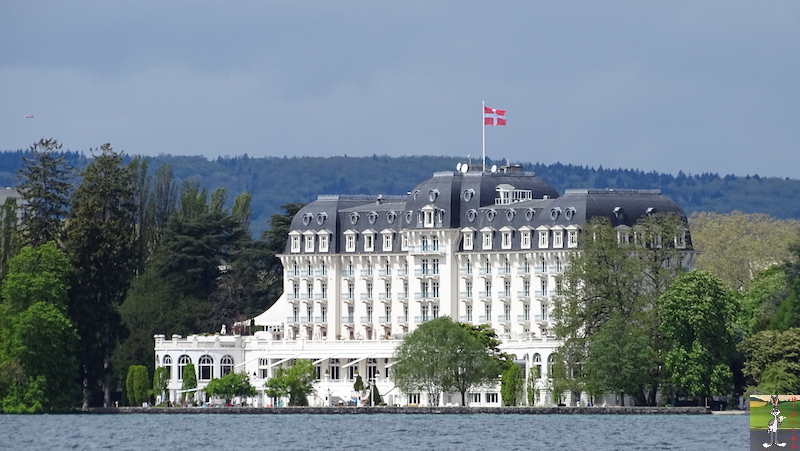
(45, 190)
(101, 243)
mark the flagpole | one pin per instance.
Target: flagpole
(483, 121)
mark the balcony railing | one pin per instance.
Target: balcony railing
(347, 320)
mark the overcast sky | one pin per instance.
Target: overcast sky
(698, 86)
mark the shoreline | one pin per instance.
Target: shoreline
(455, 410)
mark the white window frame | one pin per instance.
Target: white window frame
(572, 237)
(544, 238)
(324, 242)
(506, 240)
(309, 242)
(388, 240)
(295, 239)
(680, 239)
(525, 239)
(369, 242)
(349, 241)
(469, 240)
(558, 238)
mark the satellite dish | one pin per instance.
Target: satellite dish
(464, 168)
(494, 168)
(458, 167)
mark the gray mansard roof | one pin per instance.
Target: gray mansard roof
(477, 200)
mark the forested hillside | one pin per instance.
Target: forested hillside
(274, 181)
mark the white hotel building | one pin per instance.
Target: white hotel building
(362, 271)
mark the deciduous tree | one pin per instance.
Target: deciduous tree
(296, 382)
(618, 275)
(442, 356)
(512, 386)
(698, 316)
(735, 247)
(230, 385)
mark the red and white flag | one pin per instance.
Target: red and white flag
(492, 116)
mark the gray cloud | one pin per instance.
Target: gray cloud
(695, 86)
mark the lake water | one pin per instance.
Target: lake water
(374, 432)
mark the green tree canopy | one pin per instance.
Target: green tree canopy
(189, 382)
(296, 382)
(161, 381)
(45, 188)
(101, 244)
(442, 356)
(512, 386)
(736, 246)
(37, 274)
(618, 275)
(698, 316)
(230, 385)
(764, 348)
(39, 347)
(137, 385)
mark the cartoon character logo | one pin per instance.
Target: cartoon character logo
(774, 422)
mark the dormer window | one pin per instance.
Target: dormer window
(623, 235)
(323, 241)
(572, 236)
(525, 237)
(369, 241)
(428, 214)
(350, 241)
(487, 238)
(505, 237)
(558, 238)
(388, 238)
(468, 238)
(680, 239)
(295, 241)
(308, 239)
(544, 237)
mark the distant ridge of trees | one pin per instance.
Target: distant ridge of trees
(274, 181)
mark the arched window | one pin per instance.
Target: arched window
(537, 365)
(226, 365)
(206, 368)
(182, 362)
(166, 362)
(551, 359)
